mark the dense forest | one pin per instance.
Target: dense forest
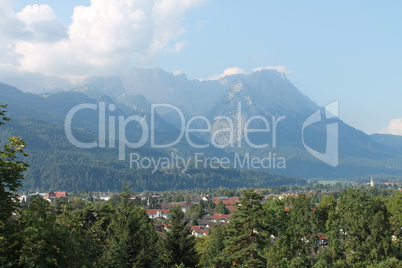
(55, 164)
(352, 228)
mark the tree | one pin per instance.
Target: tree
(326, 206)
(45, 242)
(394, 204)
(300, 235)
(180, 245)
(245, 239)
(11, 175)
(213, 247)
(195, 211)
(360, 231)
(292, 231)
(388, 263)
(275, 220)
(301, 224)
(11, 172)
(132, 239)
(85, 224)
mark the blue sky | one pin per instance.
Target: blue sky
(349, 51)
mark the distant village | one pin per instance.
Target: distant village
(215, 210)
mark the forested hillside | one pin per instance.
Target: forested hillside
(55, 164)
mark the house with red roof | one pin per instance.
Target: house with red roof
(50, 196)
(219, 217)
(199, 231)
(225, 202)
(158, 213)
(232, 209)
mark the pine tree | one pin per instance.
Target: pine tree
(244, 233)
(214, 247)
(180, 245)
(132, 239)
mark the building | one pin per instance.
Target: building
(372, 184)
(158, 213)
(200, 231)
(219, 217)
(51, 196)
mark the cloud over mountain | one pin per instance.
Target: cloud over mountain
(103, 38)
(237, 70)
(394, 127)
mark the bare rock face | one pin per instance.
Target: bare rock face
(262, 95)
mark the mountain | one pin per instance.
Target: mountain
(268, 95)
(267, 90)
(259, 122)
(35, 82)
(265, 94)
(98, 86)
(55, 163)
(393, 142)
(193, 97)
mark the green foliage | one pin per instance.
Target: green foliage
(10, 242)
(131, 237)
(11, 171)
(195, 211)
(245, 239)
(394, 205)
(45, 242)
(120, 234)
(180, 246)
(388, 263)
(11, 176)
(275, 222)
(132, 240)
(294, 232)
(360, 230)
(213, 248)
(326, 206)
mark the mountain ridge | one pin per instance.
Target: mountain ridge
(265, 94)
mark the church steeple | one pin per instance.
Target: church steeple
(372, 182)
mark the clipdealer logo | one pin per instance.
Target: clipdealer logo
(236, 132)
(235, 128)
(331, 155)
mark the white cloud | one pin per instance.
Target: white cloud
(394, 127)
(35, 13)
(280, 68)
(233, 70)
(237, 70)
(177, 47)
(226, 72)
(177, 72)
(103, 38)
